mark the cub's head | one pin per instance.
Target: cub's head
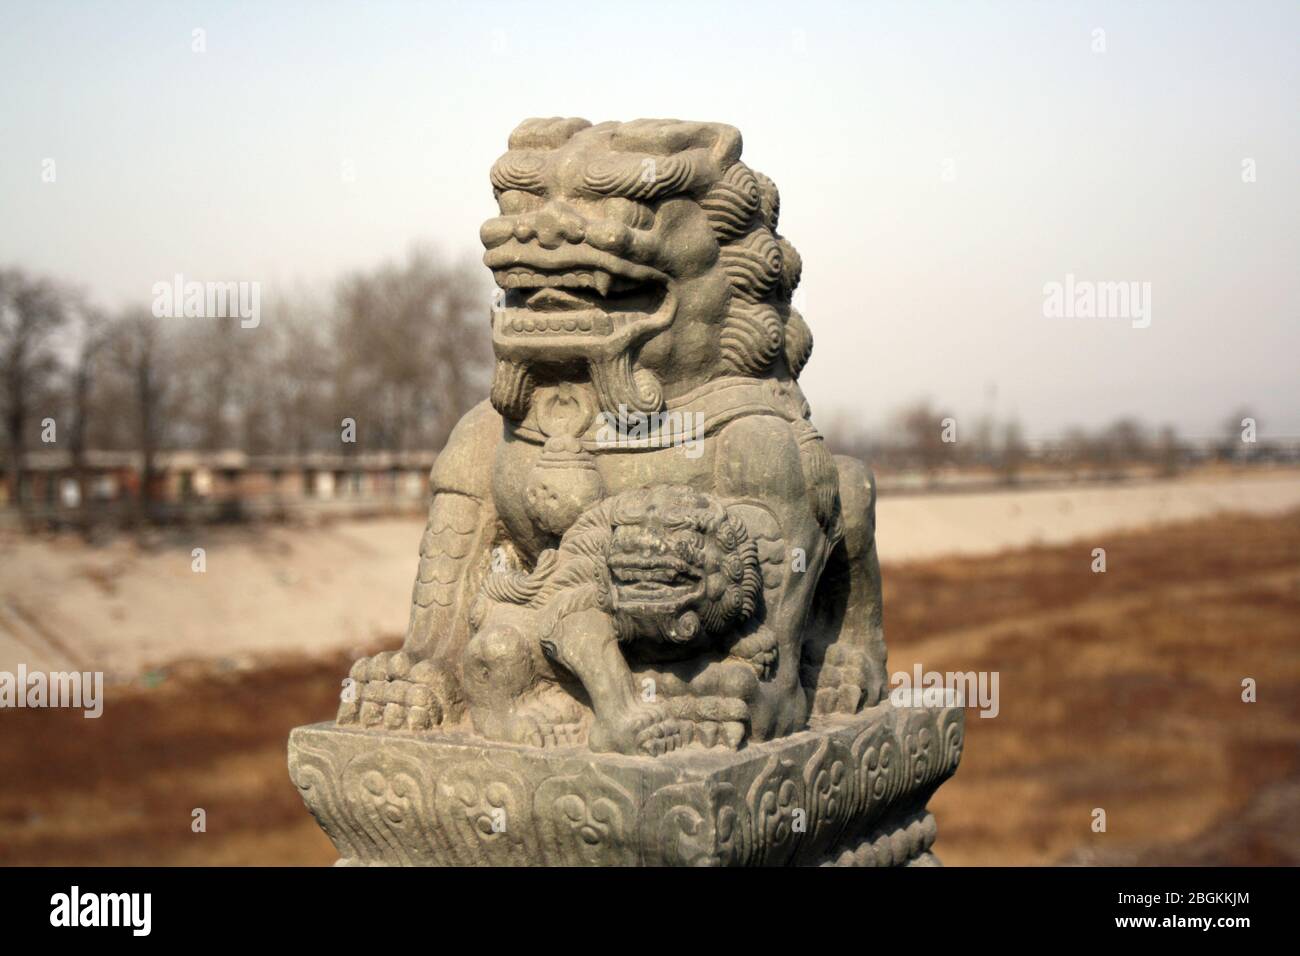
(680, 566)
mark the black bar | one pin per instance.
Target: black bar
(443, 909)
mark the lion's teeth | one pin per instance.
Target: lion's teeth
(516, 278)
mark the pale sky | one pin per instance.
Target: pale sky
(938, 164)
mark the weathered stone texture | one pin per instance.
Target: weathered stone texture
(849, 791)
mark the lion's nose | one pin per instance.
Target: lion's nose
(523, 230)
(496, 231)
(556, 225)
(551, 226)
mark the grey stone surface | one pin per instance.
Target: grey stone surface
(850, 790)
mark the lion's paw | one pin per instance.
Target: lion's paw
(727, 734)
(391, 691)
(533, 728)
(641, 728)
(841, 681)
(658, 728)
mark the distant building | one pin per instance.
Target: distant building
(222, 484)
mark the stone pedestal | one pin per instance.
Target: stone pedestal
(850, 790)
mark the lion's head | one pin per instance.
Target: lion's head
(643, 255)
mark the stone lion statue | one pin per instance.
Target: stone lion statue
(640, 542)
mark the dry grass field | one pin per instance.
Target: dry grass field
(1119, 691)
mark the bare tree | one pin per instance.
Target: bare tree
(924, 428)
(1169, 451)
(1232, 444)
(140, 355)
(302, 375)
(411, 340)
(211, 364)
(1013, 451)
(91, 336)
(32, 310)
(1121, 443)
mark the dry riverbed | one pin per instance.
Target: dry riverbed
(131, 605)
(1119, 691)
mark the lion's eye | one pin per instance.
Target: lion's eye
(516, 201)
(629, 212)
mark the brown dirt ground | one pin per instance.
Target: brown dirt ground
(1119, 690)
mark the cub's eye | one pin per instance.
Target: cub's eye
(516, 201)
(629, 212)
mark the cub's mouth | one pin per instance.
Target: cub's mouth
(563, 310)
(655, 583)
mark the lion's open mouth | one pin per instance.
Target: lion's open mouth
(570, 305)
(584, 302)
(577, 301)
(661, 582)
(571, 308)
(589, 302)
